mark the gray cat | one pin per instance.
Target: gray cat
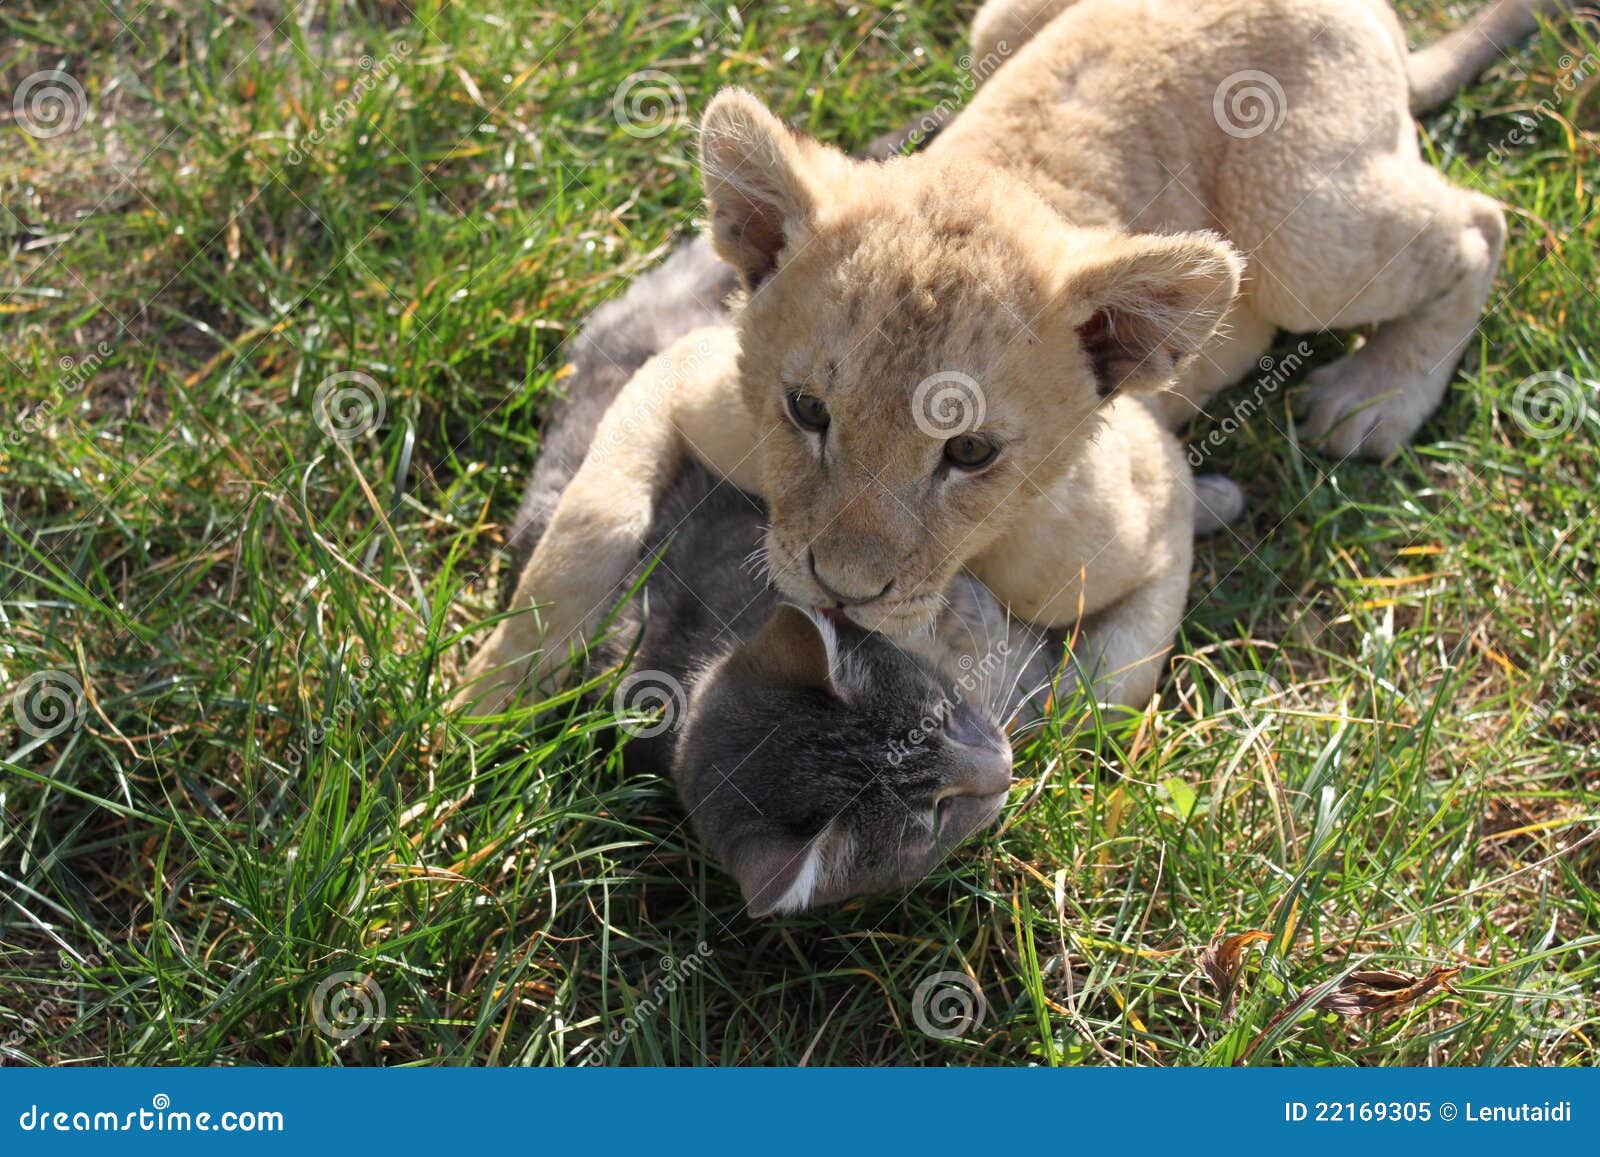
(815, 760)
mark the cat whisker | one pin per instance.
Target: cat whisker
(1014, 702)
(1023, 730)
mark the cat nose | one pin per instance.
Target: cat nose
(835, 590)
(992, 776)
(985, 772)
(969, 807)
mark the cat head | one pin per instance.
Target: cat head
(820, 762)
(926, 345)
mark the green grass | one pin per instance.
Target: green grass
(258, 789)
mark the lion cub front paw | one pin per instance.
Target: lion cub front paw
(1354, 407)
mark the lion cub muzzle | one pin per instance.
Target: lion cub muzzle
(845, 586)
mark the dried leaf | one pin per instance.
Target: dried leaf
(1221, 961)
(1373, 990)
(1364, 990)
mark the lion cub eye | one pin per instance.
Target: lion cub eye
(969, 452)
(808, 410)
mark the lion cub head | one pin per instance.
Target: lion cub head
(926, 346)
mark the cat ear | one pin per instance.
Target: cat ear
(795, 649)
(1147, 305)
(760, 181)
(782, 875)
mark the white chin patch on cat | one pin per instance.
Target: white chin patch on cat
(797, 898)
(848, 677)
(830, 637)
(826, 860)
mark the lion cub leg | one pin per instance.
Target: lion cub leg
(1105, 555)
(1402, 248)
(685, 401)
(1123, 649)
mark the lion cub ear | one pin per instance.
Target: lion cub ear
(1144, 305)
(761, 182)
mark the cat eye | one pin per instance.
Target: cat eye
(969, 452)
(809, 411)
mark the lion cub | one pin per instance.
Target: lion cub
(1107, 545)
(938, 361)
(933, 369)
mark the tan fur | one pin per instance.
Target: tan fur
(1342, 223)
(1437, 72)
(594, 537)
(1113, 534)
(1000, 28)
(1060, 242)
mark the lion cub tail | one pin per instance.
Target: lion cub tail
(1449, 64)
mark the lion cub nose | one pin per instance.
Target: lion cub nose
(846, 590)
